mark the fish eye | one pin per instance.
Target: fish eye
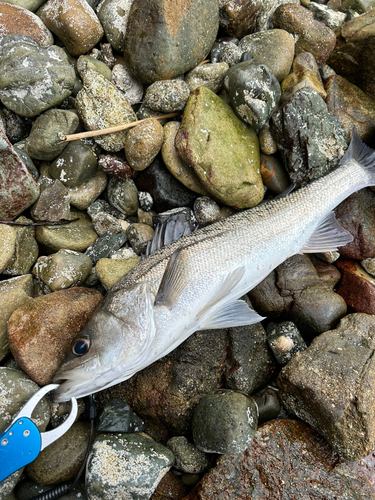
(81, 345)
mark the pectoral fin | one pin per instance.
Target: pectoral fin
(327, 237)
(173, 282)
(237, 313)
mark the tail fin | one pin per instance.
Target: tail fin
(358, 151)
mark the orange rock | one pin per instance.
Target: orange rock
(40, 332)
(357, 287)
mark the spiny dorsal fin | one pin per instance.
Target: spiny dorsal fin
(327, 236)
(171, 230)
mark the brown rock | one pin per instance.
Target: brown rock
(287, 459)
(170, 487)
(15, 20)
(74, 22)
(357, 287)
(360, 28)
(238, 17)
(113, 165)
(351, 105)
(312, 36)
(40, 332)
(143, 143)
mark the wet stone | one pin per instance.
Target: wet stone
(125, 81)
(26, 250)
(74, 22)
(163, 42)
(167, 96)
(268, 404)
(170, 487)
(101, 105)
(123, 195)
(274, 175)
(369, 265)
(126, 464)
(145, 201)
(143, 143)
(357, 287)
(267, 143)
(113, 15)
(8, 237)
(238, 18)
(63, 269)
(285, 340)
(75, 165)
(274, 48)
(40, 331)
(109, 271)
(254, 92)
(105, 245)
(44, 141)
(45, 81)
(330, 17)
(209, 75)
(188, 458)
(139, 235)
(53, 202)
(224, 422)
(231, 54)
(115, 166)
(83, 195)
(219, 46)
(104, 222)
(320, 142)
(264, 21)
(206, 210)
(117, 416)
(17, 127)
(85, 63)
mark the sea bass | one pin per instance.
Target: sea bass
(195, 282)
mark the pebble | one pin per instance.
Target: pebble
(40, 331)
(117, 416)
(274, 175)
(170, 487)
(209, 75)
(206, 210)
(84, 63)
(224, 421)
(105, 245)
(125, 81)
(26, 250)
(187, 457)
(238, 19)
(330, 17)
(268, 404)
(104, 222)
(230, 54)
(123, 195)
(126, 465)
(143, 143)
(285, 340)
(163, 42)
(53, 202)
(336, 374)
(116, 167)
(139, 235)
(145, 202)
(267, 143)
(109, 271)
(74, 22)
(8, 237)
(114, 15)
(167, 96)
(206, 138)
(45, 81)
(31, 5)
(63, 269)
(357, 287)
(83, 195)
(369, 265)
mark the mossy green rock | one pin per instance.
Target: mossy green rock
(223, 151)
(26, 249)
(109, 271)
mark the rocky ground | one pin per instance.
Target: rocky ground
(263, 94)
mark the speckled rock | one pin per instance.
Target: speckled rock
(40, 332)
(126, 465)
(123, 195)
(105, 245)
(45, 81)
(167, 96)
(181, 170)
(164, 40)
(206, 210)
(15, 19)
(275, 48)
(238, 17)
(336, 373)
(31, 5)
(285, 340)
(264, 19)
(26, 250)
(100, 105)
(109, 271)
(330, 17)
(8, 237)
(170, 487)
(222, 150)
(114, 14)
(83, 195)
(224, 422)
(209, 75)
(76, 235)
(188, 458)
(139, 235)
(84, 63)
(143, 143)
(231, 54)
(53, 202)
(74, 22)
(125, 81)
(116, 167)
(104, 222)
(13, 294)
(61, 460)
(117, 416)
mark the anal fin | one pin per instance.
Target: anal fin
(327, 237)
(237, 313)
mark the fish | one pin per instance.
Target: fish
(196, 283)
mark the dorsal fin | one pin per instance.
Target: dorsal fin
(167, 232)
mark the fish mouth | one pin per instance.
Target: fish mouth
(73, 384)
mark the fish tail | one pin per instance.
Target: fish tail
(359, 152)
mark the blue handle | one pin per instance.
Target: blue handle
(19, 445)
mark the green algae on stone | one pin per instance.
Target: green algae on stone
(26, 249)
(223, 151)
(109, 271)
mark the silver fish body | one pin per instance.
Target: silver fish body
(195, 282)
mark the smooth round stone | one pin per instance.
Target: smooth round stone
(223, 151)
(75, 165)
(117, 416)
(296, 81)
(139, 235)
(206, 210)
(330, 17)
(19, 20)
(40, 331)
(231, 54)
(83, 195)
(44, 141)
(165, 40)
(267, 143)
(143, 143)
(123, 195)
(116, 167)
(274, 48)
(13, 294)
(167, 96)
(63, 269)
(53, 202)
(8, 236)
(218, 47)
(27, 160)
(268, 405)
(238, 19)
(127, 465)
(74, 22)
(33, 78)
(224, 421)
(104, 222)
(145, 201)
(85, 63)
(61, 460)
(170, 486)
(209, 75)
(125, 81)
(26, 250)
(109, 271)
(187, 457)
(285, 340)
(369, 265)
(113, 15)
(182, 171)
(76, 235)
(105, 245)
(32, 5)
(273, 173)
(101, 105)
(254, 92)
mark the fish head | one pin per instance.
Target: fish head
(113, 345)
